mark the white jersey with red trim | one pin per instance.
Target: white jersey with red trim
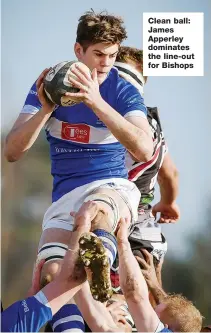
(144, 174)
(82, 148)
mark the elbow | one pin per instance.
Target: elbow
(147, 156)
(11, 153)
(144, 155)
(135, 297)
(8, 155)
(133, 289)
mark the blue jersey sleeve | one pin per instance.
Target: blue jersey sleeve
(130, 102)
(32, 104)
(67, 319)
(28, 315)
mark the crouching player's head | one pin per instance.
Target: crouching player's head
(179, 314)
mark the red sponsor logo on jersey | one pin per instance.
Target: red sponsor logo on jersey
(76, 132)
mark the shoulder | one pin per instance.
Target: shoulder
(121, 84)
(32, 104)
(33, 90)
(124, 96)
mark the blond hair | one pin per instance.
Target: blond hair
(183, 316)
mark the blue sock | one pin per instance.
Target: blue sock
(110, 243)
(68, 318)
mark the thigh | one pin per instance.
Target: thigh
(126, 194)
(55, 235)
(124, 210)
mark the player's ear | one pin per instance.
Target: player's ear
(78, 50)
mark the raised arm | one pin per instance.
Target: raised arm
(168, 179)
(94, 313)
(28, 125)
(151, 278)
(134, 286)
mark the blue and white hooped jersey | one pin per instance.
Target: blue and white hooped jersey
(82, 148)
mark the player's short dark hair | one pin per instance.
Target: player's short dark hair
(96, 28)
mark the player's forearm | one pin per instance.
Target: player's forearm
(22, 138)
(169, 184)
(134, 139)
(159, 277)
(131, 277)
(95, 313)
(135, 291)
(158, 293)
(155, 287)
(58, 294)
(158, 271)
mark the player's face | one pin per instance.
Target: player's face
(100, 56)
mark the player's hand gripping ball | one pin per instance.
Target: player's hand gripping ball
(56, 83)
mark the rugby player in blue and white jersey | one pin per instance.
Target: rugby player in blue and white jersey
(88, 140)
(30, 314)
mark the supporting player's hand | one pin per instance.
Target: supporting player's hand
(35, 287)
(116, 311)
(148, 268)
(47, 105)
(88, 85)
(169, 213)
(122, 231)
(72, 270)
(118, 315)
(86, 214)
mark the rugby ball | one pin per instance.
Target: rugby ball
(56, 83)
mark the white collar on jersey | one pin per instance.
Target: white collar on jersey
(129, 73)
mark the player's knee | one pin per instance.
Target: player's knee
(53, 254)
(49, 272)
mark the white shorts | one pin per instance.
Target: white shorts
(58, 214)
